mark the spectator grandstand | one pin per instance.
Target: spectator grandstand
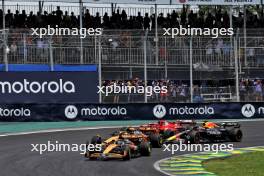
(168, 59)
(218, 18)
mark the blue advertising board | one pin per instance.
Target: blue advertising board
(48, 87)
(137, 111)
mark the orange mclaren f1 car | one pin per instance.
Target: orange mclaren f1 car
(122, 146)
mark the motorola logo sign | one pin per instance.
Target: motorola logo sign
(103, 111)
(159, 111)
(35, 87)
(71, 112)
(248, 110)
(202, 110)
(15, 112)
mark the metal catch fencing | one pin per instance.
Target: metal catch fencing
(130, 49)
(126, 48)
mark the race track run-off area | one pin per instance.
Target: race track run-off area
(16, 158)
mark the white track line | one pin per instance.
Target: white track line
(58, 130)
(156, 166)
(109, 127)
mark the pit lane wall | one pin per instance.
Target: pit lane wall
(140, 111)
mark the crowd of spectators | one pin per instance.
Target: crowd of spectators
(251, 90)
(179, 91)
(218, 18)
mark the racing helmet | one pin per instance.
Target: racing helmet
(130, 129)
(210, 125)
(126, 141)
(204, 123)
(120, 142)
(122, 134)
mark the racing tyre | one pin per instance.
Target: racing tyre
(194, 137)
(128, 154)
(156, 140)
(96, 140)
(87, 143)
(92, 158)
(145, 149)
(88, 155)
(236, 135)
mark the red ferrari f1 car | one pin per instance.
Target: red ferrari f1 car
(162, 130)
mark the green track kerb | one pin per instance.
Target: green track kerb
(192, 164)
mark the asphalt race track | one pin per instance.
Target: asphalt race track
(16, 158)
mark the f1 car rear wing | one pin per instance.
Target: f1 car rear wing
(230, 124)
(186, 122)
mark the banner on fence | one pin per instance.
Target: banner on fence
(132, 1)
(48, 87)
(90, 112)
(179, 2)
(217, 2)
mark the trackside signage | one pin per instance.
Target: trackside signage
(179, 2)
(132, 1)
(44, 87)
(36, 87)
(92, 112)
(217, 2)
(250, 110)
(137, 111)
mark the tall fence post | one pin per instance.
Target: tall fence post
(165, 58)
(145, 65)
(25, 48)
(51, 55)
(5, 47)
(191, 70)
(3, 9)
(130, 59)
(239, 54)
(100, 67)
(156, 35)
(4, 37)
(95, 50)
(231, 26)
(81, 26)
(245, 35)
(236, 69)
